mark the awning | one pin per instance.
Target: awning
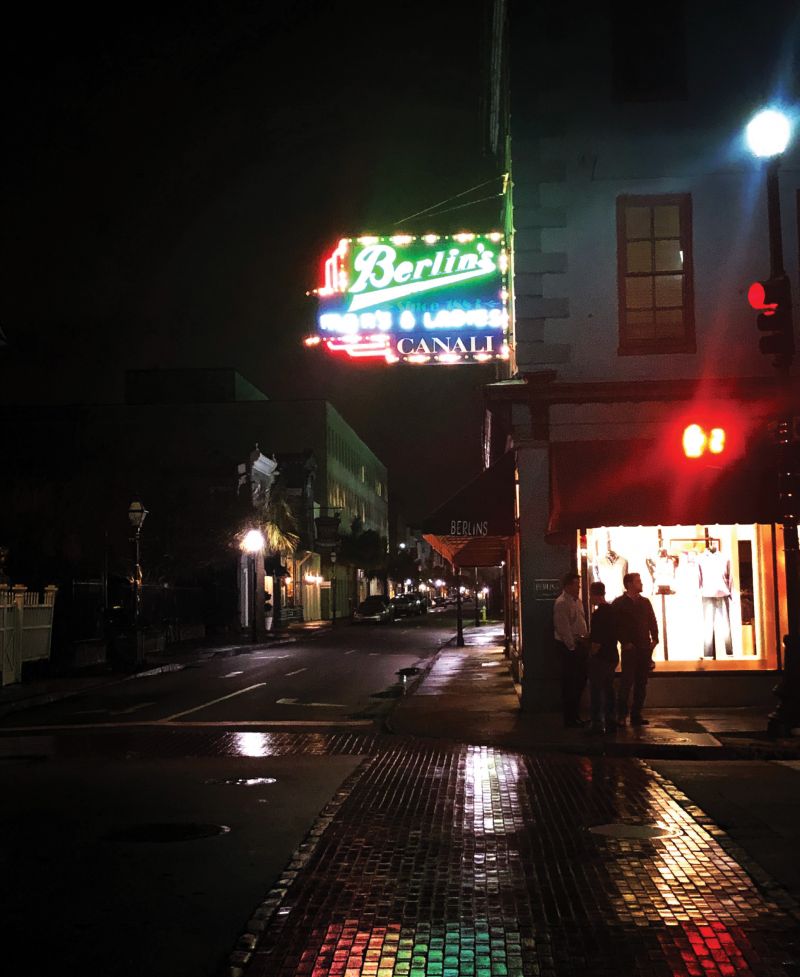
(635, 483)
(475, 527)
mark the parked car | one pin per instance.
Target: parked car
(403, 606)
(375, 609)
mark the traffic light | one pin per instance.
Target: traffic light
(773, 301)
(697, 441)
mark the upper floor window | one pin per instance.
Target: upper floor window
(654, 257)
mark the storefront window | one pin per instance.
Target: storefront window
(707, 585)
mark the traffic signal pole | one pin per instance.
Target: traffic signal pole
(786, 716)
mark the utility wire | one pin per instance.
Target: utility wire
(480, 200)
(456, 196)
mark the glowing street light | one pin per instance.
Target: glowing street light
(253, 543)
(768, 133)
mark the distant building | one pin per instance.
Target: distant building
(176, 443)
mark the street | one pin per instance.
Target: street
(143, 822)
(166, 825)
(348, 675)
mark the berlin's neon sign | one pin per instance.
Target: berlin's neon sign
(419, 300)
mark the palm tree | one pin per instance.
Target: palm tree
(278, 523)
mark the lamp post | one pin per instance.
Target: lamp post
(768, 134)
(253, 544)
(459, 611)
(137, 515)
(333, 588)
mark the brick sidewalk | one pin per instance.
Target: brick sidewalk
(439, 860)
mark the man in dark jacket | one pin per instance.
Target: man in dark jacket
(637, 631)
(603, 660)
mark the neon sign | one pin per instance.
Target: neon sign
(422, 300)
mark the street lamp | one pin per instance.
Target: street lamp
(768, 134)
(137, 515)
(253, 543)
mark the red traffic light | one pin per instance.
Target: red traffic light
(757, 297)
(697, 441)
(773, 301)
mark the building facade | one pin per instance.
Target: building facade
(638, 219)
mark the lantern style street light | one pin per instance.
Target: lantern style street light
(253, 544)
(137, 515)
(768, 135)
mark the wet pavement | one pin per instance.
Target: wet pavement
(471, 840)
(450, 860)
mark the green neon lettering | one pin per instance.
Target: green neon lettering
(412, 288)
(379, 256)
(403, 271)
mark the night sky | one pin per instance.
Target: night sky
(174, 177)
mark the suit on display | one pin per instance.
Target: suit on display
(715, 589)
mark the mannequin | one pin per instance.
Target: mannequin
(609, 568)
(715, 589)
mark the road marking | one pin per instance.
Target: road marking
(319, 705)
(186, 712)
(231, 674)
(351, 652)
(297, 672)
(373, 653)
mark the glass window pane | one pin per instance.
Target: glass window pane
(669, 291)
(669, 256)
(639, 326)
(639, 293)
(667, 221)
(637, 222)
(640, 257)
(669, 324)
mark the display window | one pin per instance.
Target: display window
(713, 588)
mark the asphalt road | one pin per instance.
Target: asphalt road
(142, 823)
(347, 676)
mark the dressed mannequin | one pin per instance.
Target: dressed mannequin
(609, 569)
(715, 589)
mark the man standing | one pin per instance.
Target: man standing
(637, 630)
(569, 625)
(603, 660)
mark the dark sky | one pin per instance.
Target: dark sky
(173, 177)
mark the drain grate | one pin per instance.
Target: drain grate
(641, 832)
(168, 832)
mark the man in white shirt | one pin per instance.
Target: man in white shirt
(569, 626)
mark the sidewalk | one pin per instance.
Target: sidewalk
(25, 695)
(477, 842)
(468, 695)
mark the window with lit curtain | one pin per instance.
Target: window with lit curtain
(656, 294)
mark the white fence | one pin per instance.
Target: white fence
(26, 626)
